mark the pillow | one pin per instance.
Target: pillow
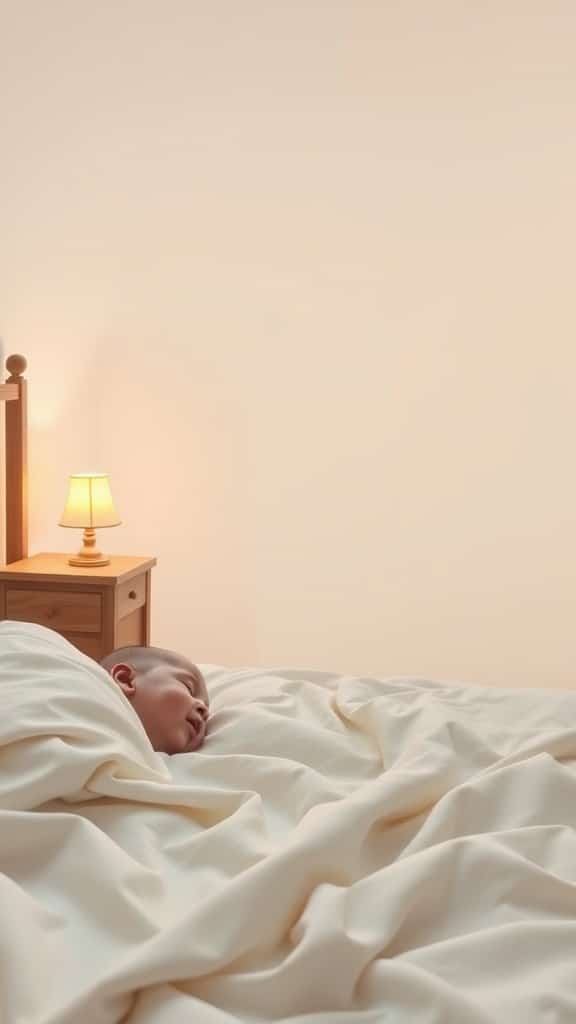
(66, 730)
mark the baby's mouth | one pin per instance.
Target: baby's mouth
(197, 730)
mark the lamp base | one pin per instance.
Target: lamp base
(87, 563)
(89, 555)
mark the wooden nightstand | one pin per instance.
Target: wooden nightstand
(97, 609)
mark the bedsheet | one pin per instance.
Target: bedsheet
(342, 849)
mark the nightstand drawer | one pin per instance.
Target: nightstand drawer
(70, 611)
(131, 595)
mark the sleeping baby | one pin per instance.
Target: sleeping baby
(167, 692)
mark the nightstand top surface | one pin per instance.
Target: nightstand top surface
(54, 566)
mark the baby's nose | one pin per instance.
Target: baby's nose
(201, 708)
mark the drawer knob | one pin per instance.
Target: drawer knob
(132, 595)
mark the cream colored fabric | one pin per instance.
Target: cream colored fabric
(341, 850)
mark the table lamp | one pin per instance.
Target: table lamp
(89, 505)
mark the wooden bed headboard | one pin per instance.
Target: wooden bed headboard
(13, 393)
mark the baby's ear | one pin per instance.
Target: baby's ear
(125, 676)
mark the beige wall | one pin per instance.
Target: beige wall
(301, 278)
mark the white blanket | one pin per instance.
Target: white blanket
(341, 850)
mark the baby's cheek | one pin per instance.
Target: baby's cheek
(175, 702)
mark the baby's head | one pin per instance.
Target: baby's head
(167, 692)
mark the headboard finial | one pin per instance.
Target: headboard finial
(16, 366)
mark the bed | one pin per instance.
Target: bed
(342, 849)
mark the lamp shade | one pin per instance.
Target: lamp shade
(89, 504)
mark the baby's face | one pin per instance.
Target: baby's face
(171, 701)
